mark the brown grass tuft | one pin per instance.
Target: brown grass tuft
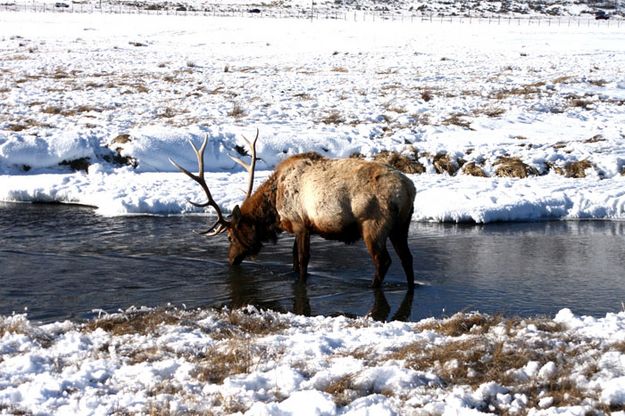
(27, 124)
(121, 139)
(513, 167)
(137, 322)
(595, 139)
(562, 79)
(303, 96)
(427, 95)
(473, 169)
(80, 164)
(582, 103)
(598, 82)
(220, 362)
(236, 112)
(461, 324)
(577, 169)
(491, 111)
(471, 361)
(255, 324)
(145, 355)
(400, 162)
(10, 409)
(16, 324)
(524, 91)
(457, 119)
(52, 110)
(344, 390)
(334, 117)
(443, 163)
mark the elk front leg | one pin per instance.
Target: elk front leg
(301, 253)
(295, 257)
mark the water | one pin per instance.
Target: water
(64, 262)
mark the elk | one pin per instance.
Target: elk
(309, 194)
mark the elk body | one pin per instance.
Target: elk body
(308, 194)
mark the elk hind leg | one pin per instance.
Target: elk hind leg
(376, 245)
(399, 239)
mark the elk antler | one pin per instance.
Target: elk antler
(251, 166)
(222, 224)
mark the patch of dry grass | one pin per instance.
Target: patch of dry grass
(255, 324)
(595, 139)
(421, 119)
(13, 325)
(27, 124)
(577, 169)
(564, 79)
(395, 108)
(220, 362)
(137, 322)
(473, 357)
(344, 390)
(333, 117)
(167, 112)
(237, 111)
(403, 163)
(490, 111)
(427, 95)
(10, 409)
(80, 164)
(513, 167)
(303, 96)
(70, 112)
(523, 91)
(457, 119)
(473, 169)
(580, 102)
(461, 324)
(443, 163)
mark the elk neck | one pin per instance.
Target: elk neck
(260, 209)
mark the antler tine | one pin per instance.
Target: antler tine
(222, 224)
(251, 166)
(216, 229)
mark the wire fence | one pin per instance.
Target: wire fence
(315, 14)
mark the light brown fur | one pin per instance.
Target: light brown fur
(344, 199)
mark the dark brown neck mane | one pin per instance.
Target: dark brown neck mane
(260, 209)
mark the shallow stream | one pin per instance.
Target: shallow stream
(65, 262)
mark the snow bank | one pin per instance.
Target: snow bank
(261, 363)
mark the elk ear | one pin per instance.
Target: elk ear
(236, 215)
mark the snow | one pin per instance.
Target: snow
(550, 95)
(284, 364)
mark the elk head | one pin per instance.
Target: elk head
(241, 231)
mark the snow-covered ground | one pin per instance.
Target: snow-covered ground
(92, 92)
(92, 107)
(168, 362)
